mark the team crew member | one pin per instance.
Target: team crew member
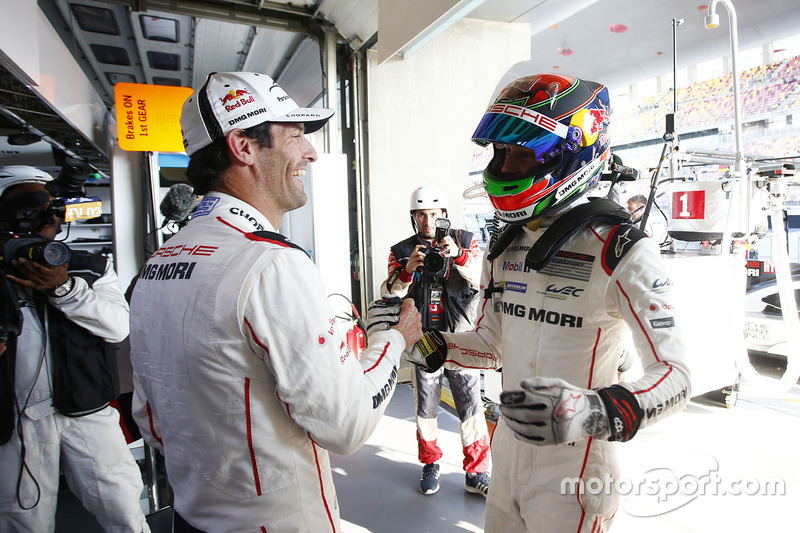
(62, 369)
(446, 300)
(562, 283)
(654, 227)
(245, 381)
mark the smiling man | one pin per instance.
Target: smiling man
(243, 378)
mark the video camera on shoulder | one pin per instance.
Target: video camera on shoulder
(71, 178)
(434, 262)
(64, 198)
(32, 247)
(68, 189)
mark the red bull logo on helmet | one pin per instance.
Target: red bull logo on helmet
(236, 98)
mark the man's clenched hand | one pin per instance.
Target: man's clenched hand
(392, 312)
(410, 322)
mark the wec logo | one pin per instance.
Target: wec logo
(569, 290)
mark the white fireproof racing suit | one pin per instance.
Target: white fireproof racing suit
(90, 450)
(568, 321)
(245, 380)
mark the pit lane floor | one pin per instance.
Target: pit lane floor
(708, 468)
(704, 450)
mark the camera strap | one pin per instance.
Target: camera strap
(10, 326)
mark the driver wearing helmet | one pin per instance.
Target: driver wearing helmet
(446, 298)
(562, 284)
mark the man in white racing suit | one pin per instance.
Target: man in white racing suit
(243, 376)
(63, 374)
(562, 285)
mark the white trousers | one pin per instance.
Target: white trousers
(97, 464)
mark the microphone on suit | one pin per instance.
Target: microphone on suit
(177, 204)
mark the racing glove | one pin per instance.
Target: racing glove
(549, 411)
(428, 353)
(383, 314)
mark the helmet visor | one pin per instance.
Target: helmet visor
(507, 129)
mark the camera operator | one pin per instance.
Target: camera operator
(445, 291)
(63, 369)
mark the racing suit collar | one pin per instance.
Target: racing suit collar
(237, 212)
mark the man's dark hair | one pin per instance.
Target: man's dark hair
(207, 165)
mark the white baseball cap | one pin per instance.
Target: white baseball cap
(231, 100)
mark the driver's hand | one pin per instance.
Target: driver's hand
(38, 277)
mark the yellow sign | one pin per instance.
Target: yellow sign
(82, 208)
(148, 117)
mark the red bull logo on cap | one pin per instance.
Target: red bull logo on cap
(236, 98)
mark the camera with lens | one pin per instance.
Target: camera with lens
(434, 261)
(69, 183)
(32, 247)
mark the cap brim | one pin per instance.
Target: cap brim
(313, 118)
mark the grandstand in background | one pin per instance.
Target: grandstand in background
(770, 102)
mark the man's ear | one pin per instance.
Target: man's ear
(241, 147)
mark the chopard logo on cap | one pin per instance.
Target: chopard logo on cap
(309, 115)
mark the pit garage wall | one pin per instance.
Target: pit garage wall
(422, 112)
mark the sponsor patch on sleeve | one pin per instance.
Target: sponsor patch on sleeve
(661, 323)
(620, 241)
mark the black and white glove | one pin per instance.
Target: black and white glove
(550, 411)
(428, 353)
(383, 314)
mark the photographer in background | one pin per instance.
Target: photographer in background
(62, 367)
(439, 268)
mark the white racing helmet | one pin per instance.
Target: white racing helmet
(17, 174)
(427, 197)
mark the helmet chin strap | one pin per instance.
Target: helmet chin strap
(414, 223)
